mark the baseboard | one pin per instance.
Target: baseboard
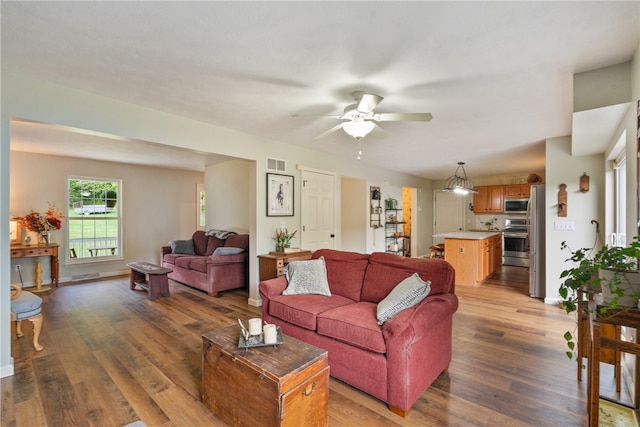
(7, 370)
(254, 302)
(552, 301)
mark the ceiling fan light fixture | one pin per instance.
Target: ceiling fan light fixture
(358, 128)
(459, 183)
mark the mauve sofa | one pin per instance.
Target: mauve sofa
(395, 362)
(204, 270)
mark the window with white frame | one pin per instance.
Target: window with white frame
(94, 212)
(619, 236)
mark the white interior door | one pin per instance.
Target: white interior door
(317, 205)
(449, 210)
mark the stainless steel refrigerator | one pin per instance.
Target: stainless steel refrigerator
(536, 216)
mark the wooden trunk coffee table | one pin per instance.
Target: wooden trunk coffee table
(158, 284)
(284, 385)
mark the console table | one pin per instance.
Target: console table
(272, 264)
(31, 251)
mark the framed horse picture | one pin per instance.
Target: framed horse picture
(279, 195)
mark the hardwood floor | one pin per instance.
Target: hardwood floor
(112, 357)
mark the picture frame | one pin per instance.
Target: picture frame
(15, 231)
(280, 190)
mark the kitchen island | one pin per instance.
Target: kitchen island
(474, 255)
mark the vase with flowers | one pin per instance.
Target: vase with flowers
(283, 239)
(43, 224)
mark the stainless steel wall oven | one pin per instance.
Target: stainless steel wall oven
(515, 242)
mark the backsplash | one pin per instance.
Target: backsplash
(477, 221)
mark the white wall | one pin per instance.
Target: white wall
(354, 195)
(228, 195)
(562, 168)
(158, 205)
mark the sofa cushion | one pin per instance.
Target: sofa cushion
(306, 277)
(238, 241)
(185, 261)
(227, 250)
(198, 264)
(182, 247)
(354, 324)
(406, 294)
(171, 258)
(345, 271)
(302, 310)
(200, 241)
(386, 270)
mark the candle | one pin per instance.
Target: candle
(270, 333)
(255, 326)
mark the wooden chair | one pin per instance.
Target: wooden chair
(437, 251)
(26, 306)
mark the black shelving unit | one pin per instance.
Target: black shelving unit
(395, 240)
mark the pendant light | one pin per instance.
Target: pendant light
(459, 182)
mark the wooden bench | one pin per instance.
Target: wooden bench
(158, 283)
(106, 248)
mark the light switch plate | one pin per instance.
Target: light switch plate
(564, 225)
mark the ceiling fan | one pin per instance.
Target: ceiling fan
(361, 118)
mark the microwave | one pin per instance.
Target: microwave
(516, 206)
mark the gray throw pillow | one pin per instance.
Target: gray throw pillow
(227, 250)
(182, 247)
(307, 277)
(406, 294)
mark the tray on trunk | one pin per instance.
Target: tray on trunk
(257, 340)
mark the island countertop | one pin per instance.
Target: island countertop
(468, 235)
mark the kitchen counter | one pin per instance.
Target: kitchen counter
(474, 255)
(468, 235)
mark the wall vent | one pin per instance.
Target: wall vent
(276, 165)
(77, 277)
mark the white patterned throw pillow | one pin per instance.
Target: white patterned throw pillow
(406, 294)
(307, 277)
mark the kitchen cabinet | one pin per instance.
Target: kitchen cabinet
(473, 255)
(491, 255)
(489, 199)
(517, 191)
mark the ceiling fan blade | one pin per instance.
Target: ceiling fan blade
(333, 129)
(367, 102)
(403, 117)
(311, 116)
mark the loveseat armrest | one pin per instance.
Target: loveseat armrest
(270, 289)
(226, 259)
(164, 250)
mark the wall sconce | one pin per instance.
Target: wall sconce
(584, 183)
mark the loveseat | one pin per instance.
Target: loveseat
(396, 361)
(212, 263)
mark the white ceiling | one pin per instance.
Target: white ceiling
(497, 76)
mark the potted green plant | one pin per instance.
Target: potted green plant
(611, 272)
(283, 239)
(390, 202)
